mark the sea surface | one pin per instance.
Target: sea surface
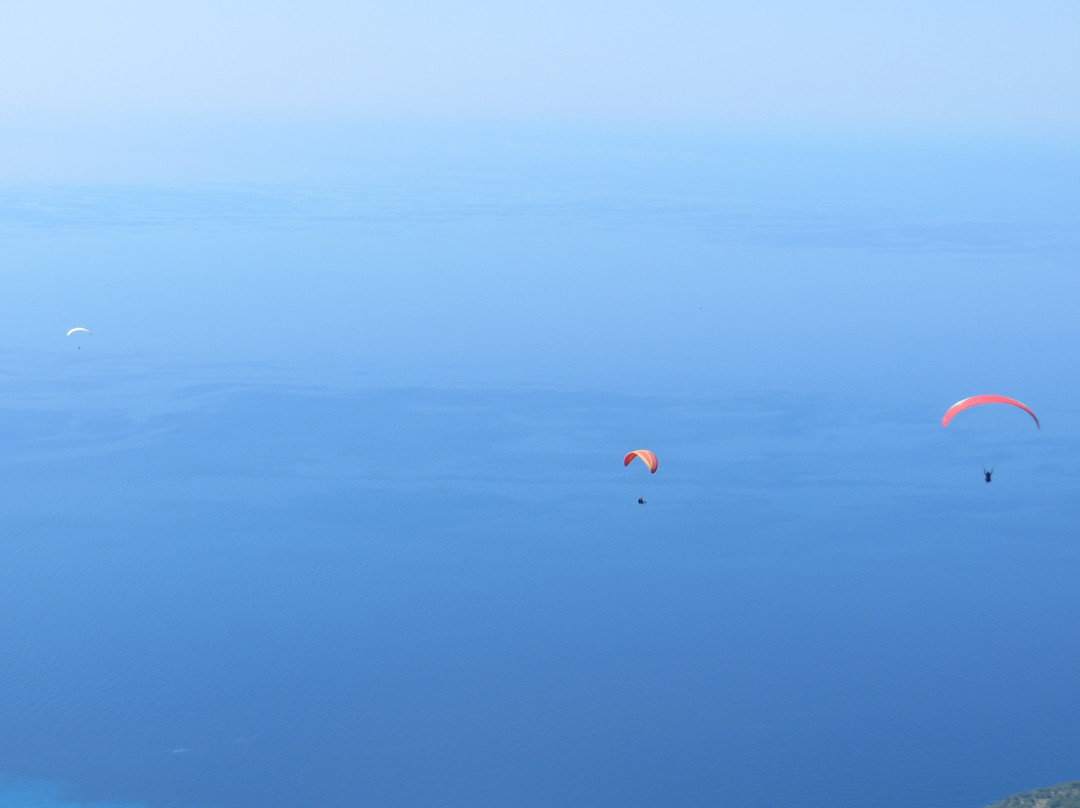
(330, 510)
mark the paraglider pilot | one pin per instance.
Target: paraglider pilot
(641, 500)
(988, 473)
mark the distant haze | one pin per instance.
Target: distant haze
(982, 69)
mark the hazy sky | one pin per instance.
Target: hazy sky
(920, 65)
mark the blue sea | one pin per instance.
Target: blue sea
(329, 509)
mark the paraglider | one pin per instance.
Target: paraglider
(974, 401)
(646, 457)
(78, 331)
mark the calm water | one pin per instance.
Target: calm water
(330, 510)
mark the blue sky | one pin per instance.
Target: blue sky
(825, 63)
(87, 85)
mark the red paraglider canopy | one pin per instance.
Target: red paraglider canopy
(976, 400)
(646, 456)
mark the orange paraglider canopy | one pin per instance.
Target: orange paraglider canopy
(646, 456)
(976, 400)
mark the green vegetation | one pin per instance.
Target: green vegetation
(1063, 795)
